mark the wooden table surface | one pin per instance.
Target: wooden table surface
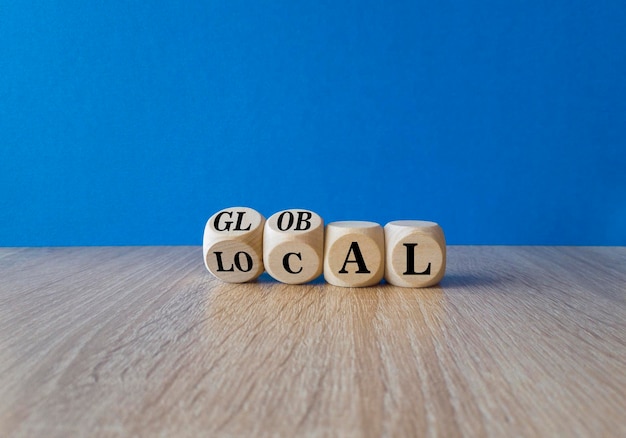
(142, 341)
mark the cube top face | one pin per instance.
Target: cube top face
(415, 253)
(354, 253)
(413, 224)
(235, 222)
(293, 246)
(232, 244)
(294, 222)
(355, 225)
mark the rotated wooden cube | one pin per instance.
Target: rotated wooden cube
(293, 246)
(233, 244)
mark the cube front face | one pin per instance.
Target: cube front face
(415, 253)
(293, 246)
(354, 254)
(233, 244)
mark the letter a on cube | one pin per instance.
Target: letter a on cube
(354, 254)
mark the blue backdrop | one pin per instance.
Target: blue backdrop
(132, 122)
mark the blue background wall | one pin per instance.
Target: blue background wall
(132, 122)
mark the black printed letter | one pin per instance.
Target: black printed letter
(216, 224)
(239, 219)
(306, 220)
(286, 262)
(220, 264)
(358, 259)
(410, 261)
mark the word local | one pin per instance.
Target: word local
(293, 246)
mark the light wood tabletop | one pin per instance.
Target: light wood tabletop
(142, 341)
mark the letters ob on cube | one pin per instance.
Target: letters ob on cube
(293, 245)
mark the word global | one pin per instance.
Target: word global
(294, 247)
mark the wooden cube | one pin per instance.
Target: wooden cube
(415, 253)
(354, 253)
(233, 244)
(293, 246)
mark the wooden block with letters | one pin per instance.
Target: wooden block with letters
(415, 253)
(354, 253)
(233, 244)
(293, 246)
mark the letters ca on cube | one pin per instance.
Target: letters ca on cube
(295, 247)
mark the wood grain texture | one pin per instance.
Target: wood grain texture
(142, 341)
